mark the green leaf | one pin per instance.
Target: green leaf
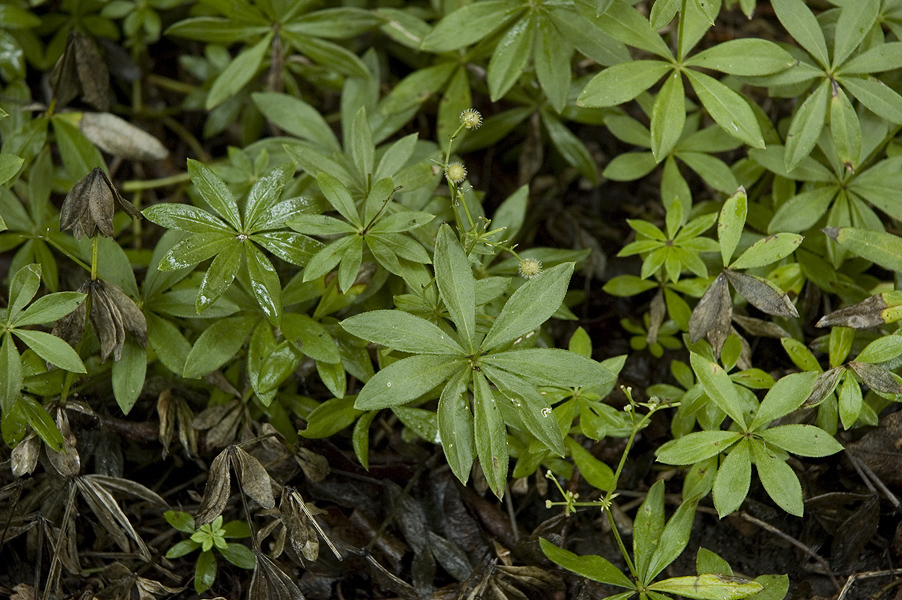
(551, 367)
(330, 417)
(204, 571)
(264, 283)
(710, 586)
(180, 520)
(730, 224)
(622, 83)
(668, 116)
(591, 567)
(406, 380)
(673, 539)
(802, 25)
(310, 337)
(570, 146)
(217, 345)
(734, 477)
(320, 225)
(854, 23)
(9, 166)
(727, 108)
(806, 126)
(182, 548)
(330, 55)
(696, 447)
(214, 192)
(718, 387)
(22, 288)
(167, 342)
(879, 247)
(128, 375)
(239, 72)
(339, 197)
(184, 218)
(217, 30)
(845, 128)
(714, 171)
(803, 210)
(238, 555)
(803, 440)
(881, 350)
(361, 438)
(289, 246)
(552, 62)
(455, 425)
(52, 349)
(768, 250)
(264, 195)
(456, 284)
(195, 248)
(362, 148)
(530, 306)
(323, 261)
(850, 401)
(623, 22)
(884, 57)
(875, 95)
(297, 118)
(787, 394)
(395, 157)
(220, 275)
(510, 57)
(470, 24)
(744, 57)
(491, 435)
(401, 331)
(597, 473)
(10, 373)
(41, 422)
(880, 185)
(79, 155)
(350, 263)
(779, 480)
(647, 528)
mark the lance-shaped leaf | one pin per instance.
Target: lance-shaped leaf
(406, 380)
(252, 476)
(779, 480)
(730, 224)
(696, 447)
(877, 378)
(456, 284)
(591, 567)
(880, 247)
(768, 250)
(491, 435)
(401, 331)
(734, 477)
(718, 387)
(763, 294)
(787, 394)
(551, 367)
(530, 306)
(711, 316)
(214, 192)
(120, 138)
(217, 491)
(710, 586)
(876, 310)
(455, 425)
(803, 440)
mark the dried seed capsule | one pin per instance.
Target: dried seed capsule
(90, 204)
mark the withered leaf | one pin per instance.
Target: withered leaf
(387, 579)
(81, 70)
(25, 455)
(823, 386)
(269, 582)
(450, 556)
(315, 466)
(711, 316)
(90, 204)
(867, 313)
(22, 591)
(132, 318)
(120, 138)
(71, 327)
(252, 477)
(298, 518)
(217, 491)
(760, 327)
(764, 295)
(854, 533)
(110, 515)
(877, 378)
(657, 312)
(66, 461)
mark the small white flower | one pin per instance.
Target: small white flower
(456, 172)
(471, 119)
(530, 267)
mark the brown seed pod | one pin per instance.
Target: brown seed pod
(90, 204)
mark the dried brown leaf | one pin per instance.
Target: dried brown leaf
(877, 378)
(66, 462)
(81, 70)
(867, 313)
(763, 295)
(760, 327)
(657, 312)
(110, 515)
(23, 591)
(315, 466)
(711, 316)
(252, 477)
(217, 491)
(25, 455)
(120, 138)
(269, 582)
(823, 386)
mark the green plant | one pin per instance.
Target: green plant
(205, 538)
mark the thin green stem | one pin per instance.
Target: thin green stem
(150, 184)
(95, 243)
(68, 254)
(680, 31)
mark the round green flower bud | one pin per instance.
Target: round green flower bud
(456, 172)
(471, 119)
(530, 267)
